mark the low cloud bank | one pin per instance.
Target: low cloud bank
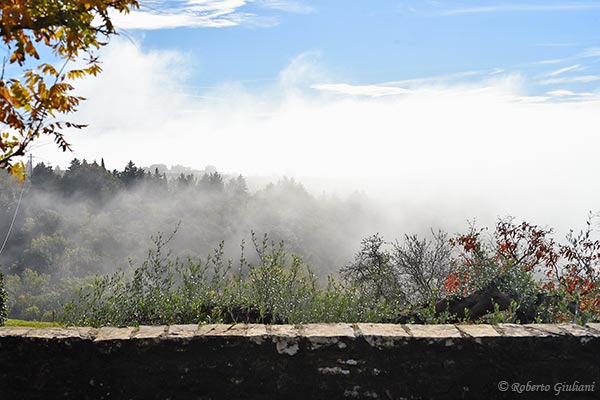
(432, 150)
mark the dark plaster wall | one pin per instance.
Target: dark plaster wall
(341, 361)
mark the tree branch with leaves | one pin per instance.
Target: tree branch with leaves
(34, 101)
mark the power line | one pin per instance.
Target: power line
(13, 219)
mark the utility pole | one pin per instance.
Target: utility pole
(30, 166)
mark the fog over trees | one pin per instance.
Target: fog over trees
(88, 220)
(156, 245)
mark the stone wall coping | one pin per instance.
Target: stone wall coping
(309, 331)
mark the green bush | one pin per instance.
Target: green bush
(3, 301)
(34, 296)
(278, 288)
(32, 313)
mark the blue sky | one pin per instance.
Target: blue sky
(554, 44)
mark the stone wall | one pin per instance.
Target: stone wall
(333, 361)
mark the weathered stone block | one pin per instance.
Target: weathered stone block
(256, 330)
(478, 331)
(149, 332)
(382, 330)
(433, 331)
(212, 329)
(110, 333)
(17, 331)
(181, 331)
(577, 330)
(326, 330)
(515, 330)
(282, 330)
(62, 333)
(547, 329)
(594, 326)
(323, 335)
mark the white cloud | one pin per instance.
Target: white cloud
(468, 150)
(450, 85)
(561, 93)
(571, 79)
(591, 52)
(361, 90)
(287, 6)
(164, 14)
(181, 14)
(564, 70)
(145, 88)
(557, 44)
(551, 61)
(441, 79)
(520, 7)
(587, 53)
(568, 93)
(302, 71)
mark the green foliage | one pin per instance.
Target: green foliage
(31, 324)
(88, 220)
(279, 288)
(410, 274)
(87, 180)
(507, 259)
(34, 296)
(131, 175)
(212, 182)
(372, 270)
(502, 316)
(422, 265)
(426, 313)
(3, 301)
